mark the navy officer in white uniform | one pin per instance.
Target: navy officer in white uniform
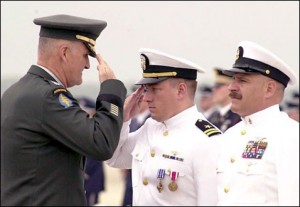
(259, 159)
(172, 156)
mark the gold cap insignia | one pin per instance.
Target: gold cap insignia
(143, 62)
(237, 54)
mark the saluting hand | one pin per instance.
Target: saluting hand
(105, 72)
(133, 103)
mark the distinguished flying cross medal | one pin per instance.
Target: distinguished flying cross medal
(160, 176)
(173, 185)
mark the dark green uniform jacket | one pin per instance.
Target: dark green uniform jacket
(45, 137)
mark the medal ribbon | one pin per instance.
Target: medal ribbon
(174, 175)
(161, 173)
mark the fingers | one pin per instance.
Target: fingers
(132, 104)
(99, 58)
(105, 72)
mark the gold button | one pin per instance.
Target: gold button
(226, 190)
(137, 154)
(165, 133)
(232, 160)
(152, 153)
(243, 132)
(145, 181)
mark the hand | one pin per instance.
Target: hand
(133, 102)
(105, 72)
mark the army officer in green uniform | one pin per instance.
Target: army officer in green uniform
(45, 135)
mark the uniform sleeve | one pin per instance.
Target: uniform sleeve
(64, 121)
(288, 169)
(205, 174)
(122, 157)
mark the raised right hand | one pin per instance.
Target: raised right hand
(133, 103)
(105, 72)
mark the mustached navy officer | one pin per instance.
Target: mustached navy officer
(172, 157)
(45, 135)
(259, 156)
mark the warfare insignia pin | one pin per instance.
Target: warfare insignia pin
(65, 101)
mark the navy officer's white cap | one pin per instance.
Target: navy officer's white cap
(253, 58)
(158, 66)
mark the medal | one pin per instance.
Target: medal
(160, 187)
(160, 176)
(173, 185)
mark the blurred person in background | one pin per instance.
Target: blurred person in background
(94, 177)
(258, 163)
(292, 106)
(206, 103)
(172, 155)
(223, 117)
(45, 134)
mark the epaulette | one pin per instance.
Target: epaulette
(207, 128)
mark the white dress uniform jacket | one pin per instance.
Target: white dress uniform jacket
(178, 148)
(259, 161)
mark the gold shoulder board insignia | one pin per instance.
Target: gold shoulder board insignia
(207, 128)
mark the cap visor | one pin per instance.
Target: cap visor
(232, 71)
(92, 53)
(144, 81)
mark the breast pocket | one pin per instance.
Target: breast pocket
(176, 171)
(251, 167)
(138, 157)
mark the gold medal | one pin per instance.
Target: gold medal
(160, 187)
(172, 186)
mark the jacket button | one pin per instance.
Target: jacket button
(226, 190)
(145, 181)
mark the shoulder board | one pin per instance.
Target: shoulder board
(207, 128)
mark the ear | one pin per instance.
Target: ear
(181, 90)
(271, 88)
(63, 49)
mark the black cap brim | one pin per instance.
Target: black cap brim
(232, 71)
(145, 81)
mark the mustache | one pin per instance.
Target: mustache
(235, 95)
